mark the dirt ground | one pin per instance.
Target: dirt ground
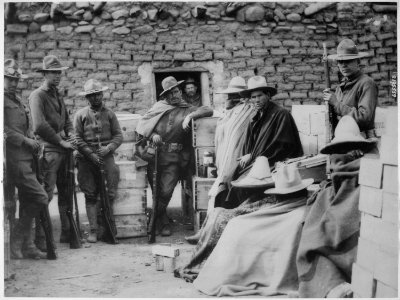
(103, 270)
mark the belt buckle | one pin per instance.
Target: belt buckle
(173, 147)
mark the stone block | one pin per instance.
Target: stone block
(77, 74)
(386, 270)
(213, 47)
(230, 45)
(298, 51)
(106, 66)
(132, 47)
(279, 51)
(223, 55)
(375, 229)
(118, 56)
(122, 13)
(100, 56)
(174, 47)
(101, 76)
(312, 77)
(293, 17)
(206, 55)
(254, 62)
(285, 86)
(161, 57)
(390, 179)
(68, 45)
(296, 78)
(391, 42)
(35, 54)
(121, 30)
(298, 29)
(17, 29)
(385, 291)
(390, 208)
(184, 56)
(41, 17)
(193, 46)
(47, 45)
(371, 200)
(362, 282)
(47, 28)
(297, 95)
(121, 95)
(253, 43)
(241, 53)
(143, 30)
(254, 13)
(259, 52)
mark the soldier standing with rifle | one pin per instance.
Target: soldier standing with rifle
(166, 125)
(97, 135)
(357, 93)
(21, 148)
(53, 127)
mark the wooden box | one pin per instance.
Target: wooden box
(130, 176)
(199, 218)
(371, 170)
(203, 132)
(131, 225)
(201, 186)
(199, 153)
(130, 201)
(125, 151)
(128, 123)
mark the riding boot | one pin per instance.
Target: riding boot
(40, 238)
(65, 226)
(29, 249)
(20, 231)
(91, 211)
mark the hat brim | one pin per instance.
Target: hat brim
(104, 88)
(253, 183)
(230, 91)
(271, 90)
(52, 69)
(348, 57)
(343, 146)
(170, 88)
(21, 76)
(304, 184)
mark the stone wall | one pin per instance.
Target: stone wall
(123, 43)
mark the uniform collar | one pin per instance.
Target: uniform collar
(46, 87)
(352, 77)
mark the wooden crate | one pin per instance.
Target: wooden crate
(199, 217)
(128, 123)
(130, 201)
(131, 225)
(199, 153)
(130, 176)
(203, 132)
(201, 186)
(124, 151)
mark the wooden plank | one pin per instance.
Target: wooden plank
(367, 177)
(203, 132)
(130, 201)
(201, 187)
(371, 200)
(131, 225)
(130, 176)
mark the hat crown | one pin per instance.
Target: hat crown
(347, 47)
(92, 85)
(287, 176)
(257, 82)
(347, 126)
(237, 82)
(190, 80)
(169, 82)
(11, 68)
(51, 62)
(260, 169)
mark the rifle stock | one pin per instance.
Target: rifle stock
(75, 236)
(151, 231)
(105, 206)
(44, 215)
(328, 86)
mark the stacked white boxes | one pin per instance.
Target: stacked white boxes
(131, 199)
(203, 137)
(375, 272)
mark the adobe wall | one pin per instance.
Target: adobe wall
(122, 43)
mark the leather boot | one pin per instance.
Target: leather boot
(166, 227)
(29, 249)
(20, 231)
(65, 227)
(40, 238)
(91, 211)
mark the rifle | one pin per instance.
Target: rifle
(105, 205)
(329, 112)
(44, 216)
(75, 236)
(151, 230)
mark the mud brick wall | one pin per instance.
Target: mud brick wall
(123, 43)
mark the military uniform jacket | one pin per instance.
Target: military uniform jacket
(50, 117)
(17, 127)
(358, 96)
(88, 123)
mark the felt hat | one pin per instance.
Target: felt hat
(51, 63)
(236, 85)
(258, 83)
(288, 180)
(11, 69)
(347, 137)
(190, 80)
(258, 176)
(92, 86)
(347, 50)
(169, 83)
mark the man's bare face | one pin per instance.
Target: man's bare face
(53, 78)
(174, 96)
(10, 84)
(348, 67)
(259, 99)
(190, 89)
